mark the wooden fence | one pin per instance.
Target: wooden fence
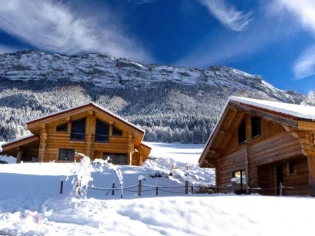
(184, 189)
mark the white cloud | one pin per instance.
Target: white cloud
(305, 64)
(227, 14)
(54, 26)
(304, 11)
(226, 47)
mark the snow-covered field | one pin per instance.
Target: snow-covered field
(30, 202)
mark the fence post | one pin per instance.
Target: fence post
(156, 191)
(113, 188)
(192, 189)
(121, 194)
(281, 189)
(233, 181)
(139, 187)
(186, 187)
(61, 186)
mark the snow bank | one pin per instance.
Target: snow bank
(30, 203)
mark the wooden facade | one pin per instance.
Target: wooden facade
(261, 148)
(88, 129)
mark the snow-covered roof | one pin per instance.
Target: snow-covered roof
(85, 105)
(300, 111)
(16, 140)
(1, 143)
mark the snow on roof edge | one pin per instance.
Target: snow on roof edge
(296, 110)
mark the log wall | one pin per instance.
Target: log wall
(57, 140)
(259, 157)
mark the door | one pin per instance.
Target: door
(279, 178)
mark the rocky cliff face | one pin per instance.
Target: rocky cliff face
(167, 101)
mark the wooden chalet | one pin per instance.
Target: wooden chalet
(262, 144)
(88, 129)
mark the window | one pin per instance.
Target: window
(240, 184)
(291, 168)
(66, 154)
(62, 127)
(116, 159)
(78, 129)
(256, 130)
(242, 132)
(101, 131)
(117, 132)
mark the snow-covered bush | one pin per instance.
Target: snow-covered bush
(82, 176)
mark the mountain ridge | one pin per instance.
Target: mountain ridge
(171, 103)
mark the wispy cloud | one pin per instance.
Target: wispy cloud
(227, 14)
(57, 27)
(304, 66)
(304, 11)
(224, 47)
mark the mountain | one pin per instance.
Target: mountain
(170, 103)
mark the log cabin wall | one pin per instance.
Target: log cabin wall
(62, 140)
(295, 175)
(227, 164)
(272, 145)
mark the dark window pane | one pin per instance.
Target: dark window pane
(117, 132)
(291, 168)
(240, 184)
(116, 159)
(66, 154)
(62, 127)
(78, 129)
(101, 131)
(256, 130)
(242, 132)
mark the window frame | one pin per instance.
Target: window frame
(241, 184)
(117, 134)
(67, 152)
(291, 168)
(62, 131)
(74, 122)
(242, 132)
(97, 134)
(255, 122)
(113, 155)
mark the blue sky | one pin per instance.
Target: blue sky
(274, 38)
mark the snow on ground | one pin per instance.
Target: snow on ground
(189, 153)
(30, 202)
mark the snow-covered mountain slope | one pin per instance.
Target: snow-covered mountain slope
(172, 104)
(105, 71)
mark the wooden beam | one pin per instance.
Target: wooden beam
(311, 175)
(306, 125)
(130, 148)
(42, 145)
(274, 117)
(233, 112)
(19, 156)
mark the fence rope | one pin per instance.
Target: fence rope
(164, 188)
